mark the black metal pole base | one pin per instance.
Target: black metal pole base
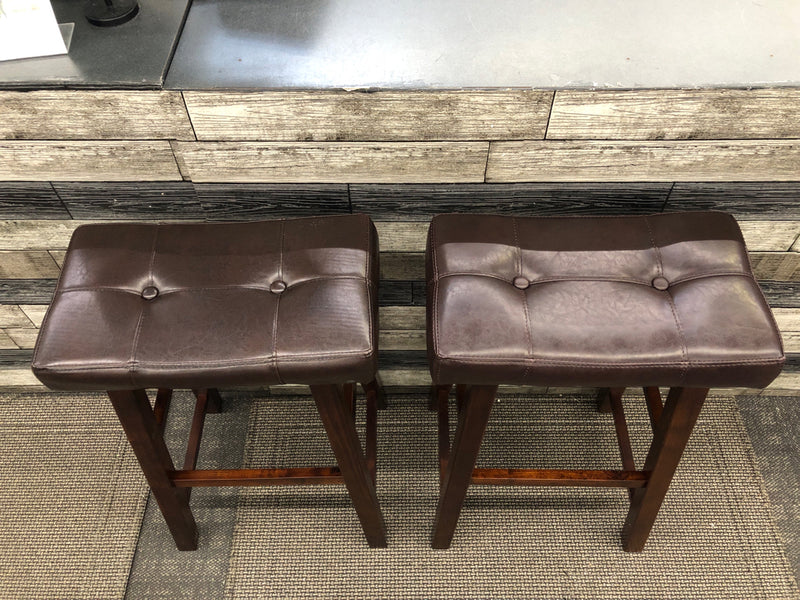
(109, 13)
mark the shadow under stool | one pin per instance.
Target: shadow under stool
(202, 306)
(655, 301)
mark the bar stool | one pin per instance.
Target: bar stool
(610, 302)
(201, 306)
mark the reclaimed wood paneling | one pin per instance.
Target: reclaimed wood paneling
(791, 341)
(770, 236)
(402, 236)
(20, 378)
(23, 337)
(788, 319)
(87, 161)
(58, 256)
(394, 339)
(773, 201)
(421, 202)
(675, 114)
(164, 200)
(13, 316)
(34, 312)
(341, 116)
(402, 317)
(776, 266)
(396, 293)
(736, 160)
(403, 265)
(27, 291)
(6, 343)
(93, 114)
(334, 162)
(30, 199)
(246, 201)
(27, 264)
(781, 294)
(36, 235)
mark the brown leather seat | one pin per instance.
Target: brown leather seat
(210, 305)
(663, 300)
(609, 302)
(201, 306)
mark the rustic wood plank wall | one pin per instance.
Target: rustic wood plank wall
(72, 157)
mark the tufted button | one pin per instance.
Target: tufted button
(521, 283)
(276, 287)
(660, 283)
(149, 292)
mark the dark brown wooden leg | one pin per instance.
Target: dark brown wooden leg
(347, 449)
(604, 398)
(213, 401)
(144, 434)
(669, 440)
(161, 408)
(435, 394)
(349, 397)
(371, 445)
(380, 393)
(472, 422)
(461, 395)
(443, 418)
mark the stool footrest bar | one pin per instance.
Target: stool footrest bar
(565, 477)
(242, 477)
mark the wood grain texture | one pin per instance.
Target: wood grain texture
(781, 294)
(402, 236)
(770, 236)
(24, 200)
(334, 162)
(245, 201)
(403, 265)
(34, 312)
(421, 202)
(58, 256)
(395, 339)
(6, 343)
(129, 200)
(27, 291)
(402, 317)
(774, 200)
(93, 114)
(35, 234)
(13, 316)
(23, 337)
(27, 264)
(20, 378)
(675, 114)
(788, 319)
(737, 160)
(87, 161)
(776, 266)
(369, 116)
(791, 341)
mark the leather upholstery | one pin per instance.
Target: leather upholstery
(210, 305)
(662, 300)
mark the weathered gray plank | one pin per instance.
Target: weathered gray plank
(93, 114)
(776, 266)
(296, 116)
(791, 341)
(36, 235)
(24, 200)
(395, 339)
(27, 264)
(34, 312)
(781, 294)
(23, 337)
(773, 200)
(410, 202)
(19, 378)
(402, 236)
(402, 317)
(244, 201)
(58, 256)
(675, 114)
(13, 316)
(788, 319)
(737, 160)
(403, 265)
(334, 162)
(6, 343)
(130, 200)
(27, 291)
(770, 236)
(87, 161)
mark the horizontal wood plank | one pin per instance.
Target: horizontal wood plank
(386, 115)
(246, 201)
(791, 341)
(395, 339)
(403, 265)
(6, 343)
(781, 294)
(36, 235)
(788, 319)
(747, 160)
(27, 264)
(402, 317)
(675, 114)
(23, 337)
(27, 291)
(20, 378)
(402, 236)
(13, 316)
(34, 312)
(29, 199)
(770, 236)
(129, 200)
(415, 202)
(93, 114)
(776, 266)
(746, 200)
(87, 161)
(334, 162)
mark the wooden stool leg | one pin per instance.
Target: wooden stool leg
(436, 393)
(147, 441)
(372, 391)
(347, 449)
(669, 440)
(213, 401)
(376, 387)
(472, 422)
(604, 398)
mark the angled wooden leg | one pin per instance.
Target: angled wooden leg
(349, 397)
(376, 387)
(472, 422)
(213, 401)
(372, 391)
(435, 393)
(443, 418)
(347, 449)
(669, 440)
(461, 395)
(147, 441)
(604, 398)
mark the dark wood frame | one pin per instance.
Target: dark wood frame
(171, 487)
(672, 423)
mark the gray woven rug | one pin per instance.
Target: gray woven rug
(72, 498)
(714, 537)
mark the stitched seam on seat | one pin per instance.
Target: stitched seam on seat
(277, 308)
(524, 293)
(515, 361)
(367, 271)
(681, 335)
(435, 314)
(135, 345)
